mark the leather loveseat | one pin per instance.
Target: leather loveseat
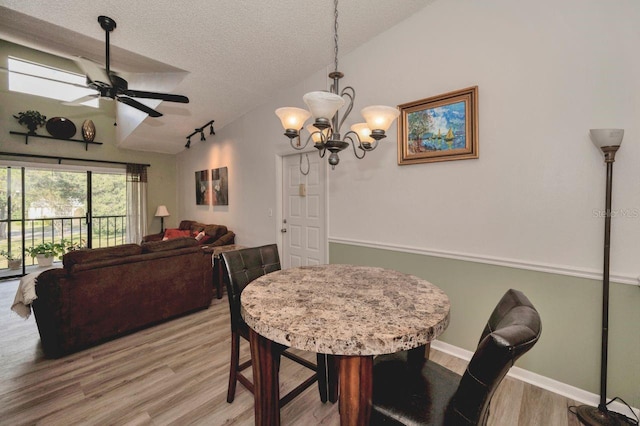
(212, 235)
(103, 293)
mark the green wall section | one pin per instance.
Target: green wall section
(570, 307)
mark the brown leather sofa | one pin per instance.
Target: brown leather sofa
(215, 235)
(103, 293)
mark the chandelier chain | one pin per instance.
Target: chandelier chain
(335, 34)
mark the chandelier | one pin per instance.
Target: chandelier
(324, 106)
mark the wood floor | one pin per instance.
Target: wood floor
(176, 373)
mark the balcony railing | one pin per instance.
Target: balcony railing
(106, 231)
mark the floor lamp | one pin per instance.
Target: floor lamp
(608, 140)
(162, 212)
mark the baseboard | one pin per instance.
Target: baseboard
(491, 260)
(568, 391)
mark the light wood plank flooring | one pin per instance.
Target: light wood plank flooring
(176, 373)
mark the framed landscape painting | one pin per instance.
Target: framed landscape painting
(440, 128)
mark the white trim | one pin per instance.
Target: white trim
(278, 207)
(568, 391)
(490, 260)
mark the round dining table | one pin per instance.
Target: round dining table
(348, 312)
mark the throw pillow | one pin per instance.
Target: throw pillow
(206, 239)
(172, 233)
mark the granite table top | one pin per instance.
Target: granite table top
(345, 309)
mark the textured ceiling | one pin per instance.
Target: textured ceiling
(227, 56)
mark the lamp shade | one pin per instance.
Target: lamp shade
(379, 117)
(606, 137)
(323, 104)
(292, 118)
(162, 211)
(363, 131)
(315, 133)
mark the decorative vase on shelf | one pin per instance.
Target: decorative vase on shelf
(61, 128)
(88, 131)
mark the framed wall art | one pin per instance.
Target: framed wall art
(220, 185)
(440, 128)
(203, 189)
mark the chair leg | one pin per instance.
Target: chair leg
(235, 361)
(416, 357)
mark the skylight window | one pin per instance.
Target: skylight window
(40, 80)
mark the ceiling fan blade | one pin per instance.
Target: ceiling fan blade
(137, 105)
(81, 100)
(93, 71)
(154, 95)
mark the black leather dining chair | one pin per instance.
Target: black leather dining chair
(244, 266)
(411, 391)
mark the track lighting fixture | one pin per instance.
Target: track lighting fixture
(201, 131)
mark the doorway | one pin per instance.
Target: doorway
(304, 211)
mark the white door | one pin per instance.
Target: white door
(304, 234)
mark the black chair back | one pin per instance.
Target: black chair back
(407, 391)
(244, 266)
(513, 328)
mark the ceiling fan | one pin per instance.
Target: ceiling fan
(110, 85)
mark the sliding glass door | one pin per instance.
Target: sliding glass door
(78, 207)
(11, 208)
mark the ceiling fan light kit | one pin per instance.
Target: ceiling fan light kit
(324, 107)
(111, 86)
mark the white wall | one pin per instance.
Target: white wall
(547, 72)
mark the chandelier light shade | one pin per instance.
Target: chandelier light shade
(379, 117)
(608, 141)
(292, 118)
(363, 131)
(318, 136)
(325, 107)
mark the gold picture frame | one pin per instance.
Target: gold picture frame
(439, 128)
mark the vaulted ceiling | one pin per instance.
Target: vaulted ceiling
(227, 56)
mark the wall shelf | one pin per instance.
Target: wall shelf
(27, 136)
